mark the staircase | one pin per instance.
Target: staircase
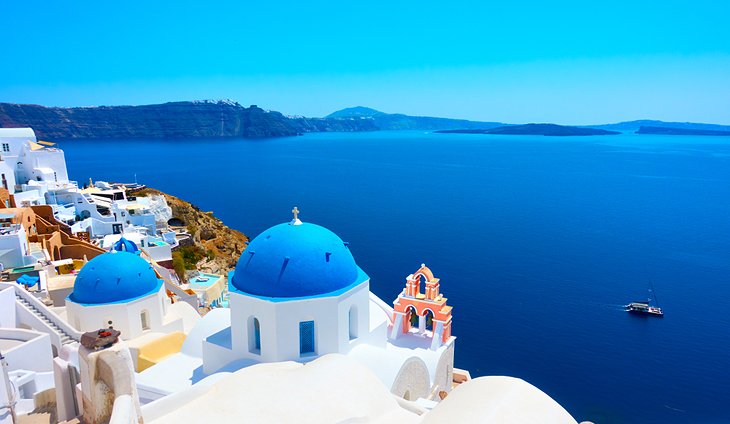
(65, 337)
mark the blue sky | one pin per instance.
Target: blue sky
(570, 62)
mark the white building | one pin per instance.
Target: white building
(102, 211)
(40, 163)
(12, 141)
(155, 247)
(297, 294)
(25, 159)
(14, 247)
(121, 290)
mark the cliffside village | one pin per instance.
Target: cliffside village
(97, 326)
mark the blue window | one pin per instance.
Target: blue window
(257, 333)
(306, 337)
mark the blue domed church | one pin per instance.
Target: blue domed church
(295, 294)
(122, 290)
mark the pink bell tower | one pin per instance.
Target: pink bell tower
(426, 314)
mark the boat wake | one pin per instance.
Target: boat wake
(616, 307)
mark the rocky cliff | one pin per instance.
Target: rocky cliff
(219, 246)
(205, 119)
(305, 125)
(168, 120)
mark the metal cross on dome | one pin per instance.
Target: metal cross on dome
(296, 220)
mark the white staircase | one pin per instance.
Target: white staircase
(66, 338)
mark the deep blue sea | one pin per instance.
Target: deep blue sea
(538, 241)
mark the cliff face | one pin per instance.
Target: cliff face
(168, 120)
(222, 245)
(205, 119)
(333, 125)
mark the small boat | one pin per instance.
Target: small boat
(646, 308)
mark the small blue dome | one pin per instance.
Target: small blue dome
(301, 260)
(114, 278)
(124, 245)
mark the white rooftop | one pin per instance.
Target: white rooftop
(17, 133)
(497, 400)
(330, 389)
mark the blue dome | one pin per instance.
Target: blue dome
(301, 260)
(124, 245)
(114, 278)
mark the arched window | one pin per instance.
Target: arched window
(306, 338)
(412, 316)
(353, 322)
(429, 319)
(145, 318)
(254, 335)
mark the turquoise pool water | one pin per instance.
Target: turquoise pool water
(204, 280)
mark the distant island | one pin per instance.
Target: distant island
(398, 121)
(680, 131)
(229, 119)
(633, 126)
(535, 129)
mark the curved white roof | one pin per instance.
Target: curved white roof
(498, 400)
(26, 133)
(332, 388)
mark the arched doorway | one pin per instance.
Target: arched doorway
(254, 335)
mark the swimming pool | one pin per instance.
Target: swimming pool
(204, 280)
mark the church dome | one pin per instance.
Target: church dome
(114, 278)
(124, 245)
(296, 260)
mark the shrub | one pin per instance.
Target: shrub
(178, 264)
(191, 255)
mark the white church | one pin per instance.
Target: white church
(297, 294)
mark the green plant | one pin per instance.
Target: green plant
(191, 255)
(178, 264)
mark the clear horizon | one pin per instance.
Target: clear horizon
(566, 62)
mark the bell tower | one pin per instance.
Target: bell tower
(422, 314)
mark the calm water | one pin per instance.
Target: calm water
(537, 241)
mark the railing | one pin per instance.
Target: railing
(172, 285)
(44, 310)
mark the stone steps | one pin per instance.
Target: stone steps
(65, 337)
